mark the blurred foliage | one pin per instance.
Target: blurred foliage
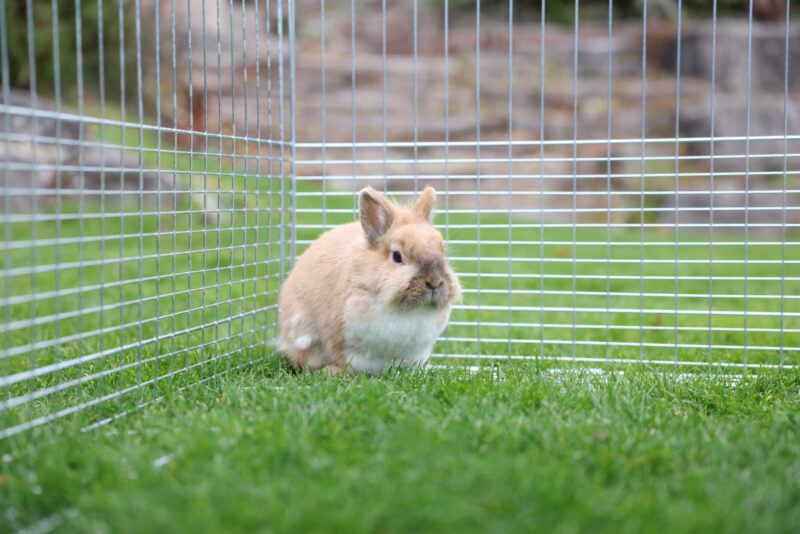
(70, 17)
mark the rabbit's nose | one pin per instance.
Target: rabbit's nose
(434, 287)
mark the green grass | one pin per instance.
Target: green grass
(625, 332)
(209, 292)
(445, 451)
(183, 308)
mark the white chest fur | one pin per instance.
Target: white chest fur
(383, 336)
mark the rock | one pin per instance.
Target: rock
(766, 119)
(55, 160)
(768, 54)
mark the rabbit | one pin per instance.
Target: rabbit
(371, 294)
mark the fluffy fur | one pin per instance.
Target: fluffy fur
(370, 294)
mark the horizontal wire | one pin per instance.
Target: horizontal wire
(603, 326)
(613, 360)
(637, 261)
(650, 311)
(550, 159)
(504, 276)
(612, 243)
(38, 269)
(613, 343)
(40, 393)
(39, 421)
(617, 242)
(547, 142)
(73, 362)
(584, 261)
(526, 176)
(55, 342)
(40, 371)
(76, 290)
(86, 119)
(702, 209)
(628, 294)
(115, 306)
(63, 142)
(349, 211)
(47, 217)
(472, 193)
(39, 167)
(63, 315)
(45, 242)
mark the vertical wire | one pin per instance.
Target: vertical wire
(59, 185)
(447, 142)
(711, 185)
(353, 97)
(541, 182)
(232, 216)
(257, 255)
(245, 210)
(322, 114)
(478, 168)
(282, 134)
(190, 246)
(205, 193)
(383, 64)
(102, 89)
(34, 184)
(293, 123)
(218, 278)
(159, 207)
(747, 171)
(608, 180)
(783, 196)
(642, 184)
(677, 176)
(510, 163)
(416, 103)
(140, 116)
(7, 262)
(575, 180)
(175, 197)
(269, 166)
(82, 185)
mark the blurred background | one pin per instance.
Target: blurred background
(216, 67)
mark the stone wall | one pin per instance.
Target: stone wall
(228, 81)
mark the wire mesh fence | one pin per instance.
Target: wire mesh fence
(614, 190)
(144, 224)
(619, 188)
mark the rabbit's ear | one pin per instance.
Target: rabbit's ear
(376, 214)
(423, 208)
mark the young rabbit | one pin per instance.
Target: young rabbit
(370, 294)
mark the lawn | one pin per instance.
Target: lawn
(158, 402)
(530, 450)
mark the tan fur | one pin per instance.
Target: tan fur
(345, 276)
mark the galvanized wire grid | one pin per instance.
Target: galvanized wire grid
(117, 292)
(143, 255)
(616, 266)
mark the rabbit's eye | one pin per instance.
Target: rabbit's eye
(397, 257)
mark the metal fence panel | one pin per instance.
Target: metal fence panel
(611, 190)
(145, 224)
